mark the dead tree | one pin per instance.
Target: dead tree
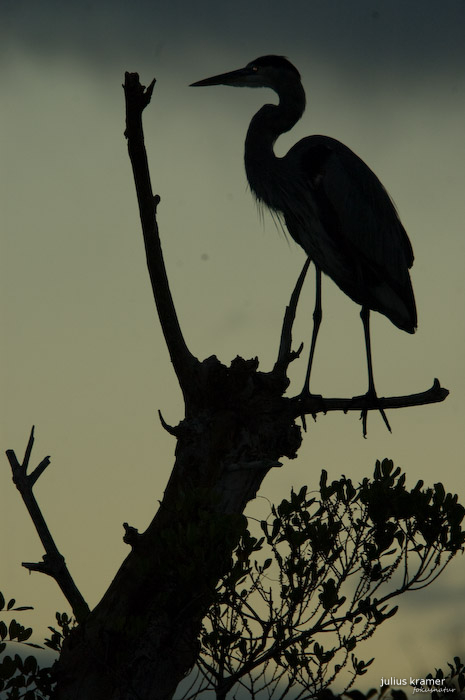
(142, 637)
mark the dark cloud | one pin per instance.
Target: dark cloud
(418, 38)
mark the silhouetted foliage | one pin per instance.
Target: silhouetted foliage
(299, 599)
(21, 676)
(452, 686)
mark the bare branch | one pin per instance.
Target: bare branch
(137, 98)
(285, 353)
(172, 430)
(315, 404)
(53, 563)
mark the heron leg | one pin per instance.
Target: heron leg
(365, 316)
(371, 393)
(317, 316)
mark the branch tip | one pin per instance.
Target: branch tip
(53, 563)
(27, 454)
(39, 470)
(131, 534)
(137, 98)
(141, 94)
(172, 430)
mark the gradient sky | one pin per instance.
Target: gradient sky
(82, 353)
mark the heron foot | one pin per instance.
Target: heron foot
(306, 397)
(370, 398)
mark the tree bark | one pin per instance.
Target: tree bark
(141, 639)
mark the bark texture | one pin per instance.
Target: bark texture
(141, 639)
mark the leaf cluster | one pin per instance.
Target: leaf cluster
(21, 676)
(320, 579)
(14, 631)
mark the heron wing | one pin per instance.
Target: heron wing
(360, 222)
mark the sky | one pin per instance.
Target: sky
(82, 354)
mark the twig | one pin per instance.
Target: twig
(53, 563)
(171, 429)
(137, 98)
(285, 353)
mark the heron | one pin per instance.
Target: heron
(332, 204)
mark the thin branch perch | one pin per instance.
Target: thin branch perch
(137, 98)
(53, 563)
(313, 405)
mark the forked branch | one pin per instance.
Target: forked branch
(53, 563)
(137, 98)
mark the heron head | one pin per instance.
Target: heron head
(266, 71)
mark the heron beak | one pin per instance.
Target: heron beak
(237, 78)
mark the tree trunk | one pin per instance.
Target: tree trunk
(142, 638)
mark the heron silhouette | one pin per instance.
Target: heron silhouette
(332, 204)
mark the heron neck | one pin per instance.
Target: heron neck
(266, 126)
